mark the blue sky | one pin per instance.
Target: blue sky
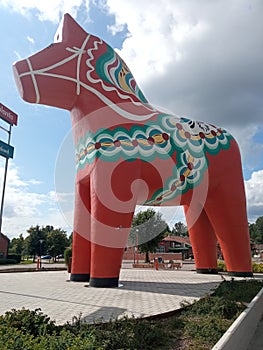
(199, 59)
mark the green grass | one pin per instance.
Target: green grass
(196, 326)
(26, 262)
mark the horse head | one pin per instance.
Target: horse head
(76, 64)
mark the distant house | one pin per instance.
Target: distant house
(176, 244)
(170, 248)
(4, 243)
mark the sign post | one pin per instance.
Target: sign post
(6, 150)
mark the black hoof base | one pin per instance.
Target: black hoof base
(111, 282)
(80, 277)
(240, 274)
(207, 271)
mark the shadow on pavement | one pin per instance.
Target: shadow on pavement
(183, 289)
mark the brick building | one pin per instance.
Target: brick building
(4, 243)
(176, 244)
(170, 248)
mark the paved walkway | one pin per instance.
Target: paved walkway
(141, 293)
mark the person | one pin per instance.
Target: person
(156, 264)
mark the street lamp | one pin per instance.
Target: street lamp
(40, 251)
(137, 249)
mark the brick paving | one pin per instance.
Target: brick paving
(141, 293)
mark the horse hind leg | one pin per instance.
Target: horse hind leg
(203, 240)
(229, 218)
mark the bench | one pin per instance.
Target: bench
(165, 265)
(143, 266)
(171, 265)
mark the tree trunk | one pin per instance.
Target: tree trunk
(147, 259)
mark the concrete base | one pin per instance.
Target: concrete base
(112, 282)
(207, 271)
(80, 277)
(241, 332)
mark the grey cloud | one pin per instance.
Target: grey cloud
(220, 75)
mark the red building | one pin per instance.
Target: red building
(176, 244)
(170, 248)
(4, 243)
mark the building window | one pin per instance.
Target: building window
(161, 249)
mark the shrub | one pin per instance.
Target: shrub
(67, 255)
(216, 307)
(32, 322)
(221, 266)
(257, 267)
(6, 261)
(205, 330)
(16, 257)
(28, 330)
(238, 291)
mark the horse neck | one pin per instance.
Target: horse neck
(90, 113)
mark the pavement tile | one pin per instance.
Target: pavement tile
(143, 293)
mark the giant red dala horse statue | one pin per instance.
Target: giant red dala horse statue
(129, 153)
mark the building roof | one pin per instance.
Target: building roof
(2, 236)
(179, 239)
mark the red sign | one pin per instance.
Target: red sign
(8, 115)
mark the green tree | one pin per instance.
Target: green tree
(252, 231)
(17, 245)
(57, 241)
(36, 241)
(148, 229)
(256, 231)
(179, 229)
(70, 239)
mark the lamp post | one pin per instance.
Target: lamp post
(137, 250)
(40, 251)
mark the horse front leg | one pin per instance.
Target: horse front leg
(110, 230)
(113, 200)
(81, 248)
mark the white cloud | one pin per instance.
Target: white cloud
(46, 10)
(30, 39)
(24, 206)
(188, 60)
(157, 31)
(251, 151)
(254, 192)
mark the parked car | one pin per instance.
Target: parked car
(60, 256)
(46, 257)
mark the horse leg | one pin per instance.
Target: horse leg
(114, 194)
(226, 208)
(80, 271)
(203, 241)
(110, 232)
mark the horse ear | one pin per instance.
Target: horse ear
(68, 29)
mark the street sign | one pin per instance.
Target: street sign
(8, 115)
(6, 150)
